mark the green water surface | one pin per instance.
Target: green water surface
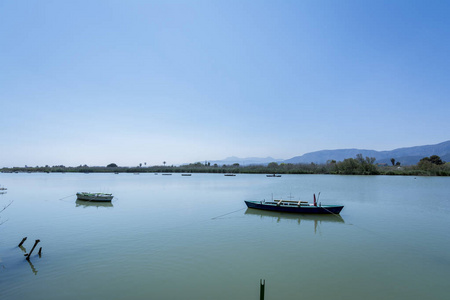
(192, 237)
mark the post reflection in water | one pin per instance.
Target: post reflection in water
(33, 269)
(92, 204)
(318, 219)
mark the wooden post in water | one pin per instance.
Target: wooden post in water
(29, 254)
(23, 240)
(262, 285)
(40, 251)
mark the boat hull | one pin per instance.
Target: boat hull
(95, 197)
(293, 208)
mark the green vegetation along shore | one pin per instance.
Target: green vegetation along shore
(428, 166)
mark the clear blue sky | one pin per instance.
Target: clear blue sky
(95, 82)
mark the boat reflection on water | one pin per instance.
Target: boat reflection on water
(85, 204)
(290, 216)
(279, 217)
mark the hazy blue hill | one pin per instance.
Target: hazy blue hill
(446, 157)
(404, 160)
(438, 149)
(323, 156)
(406, 156)
(245, 161)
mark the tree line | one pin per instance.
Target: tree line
(427, 166)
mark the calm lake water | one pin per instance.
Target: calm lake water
(176, 237)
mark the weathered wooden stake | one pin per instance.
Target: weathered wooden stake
(23, 240)
(35, 243)
(40, 252)
(262, 285)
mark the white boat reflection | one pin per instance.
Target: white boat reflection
(279, 216)
(85, 204)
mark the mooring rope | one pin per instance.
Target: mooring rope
(362, 228)
(337, 215)
(228, 213)
(188, 224)
(67, 197)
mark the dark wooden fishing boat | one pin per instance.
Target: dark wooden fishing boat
(299, 207)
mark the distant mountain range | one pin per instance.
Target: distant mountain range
(406, 156)
(246, 161)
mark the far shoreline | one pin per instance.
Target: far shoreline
(271, 169)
